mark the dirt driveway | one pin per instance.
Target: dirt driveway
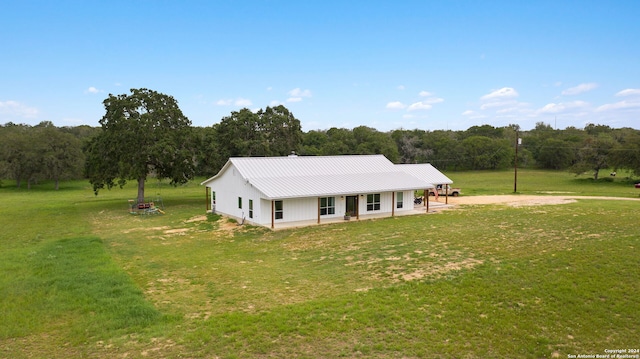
(524, 200)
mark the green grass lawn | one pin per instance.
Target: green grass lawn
(81, 277)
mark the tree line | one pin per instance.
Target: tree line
(145, 134)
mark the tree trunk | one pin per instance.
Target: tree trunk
(141, 190)
(595, 175)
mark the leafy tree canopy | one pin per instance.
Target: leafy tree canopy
(142, 133)
(273, 131)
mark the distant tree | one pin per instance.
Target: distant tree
(482, 153)
(555, 154)
(239, 135)
(593, 155)
(206, 151)
(142, 133)
(20, 153)
(484, 130)
(273, 131)
(626, 154)
(341, 142)
(443, 149)
(595, 130)
(313, 142)
(61, 153)
(280, 130)
(84, 133)
(370, 141)
(409, 145)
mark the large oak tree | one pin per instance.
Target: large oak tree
(143, 134)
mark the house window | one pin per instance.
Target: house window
(240, 202)
(250, 208)
(399, 199)
(213, 196)
(373, 202)
(327, 206)
(279, 213)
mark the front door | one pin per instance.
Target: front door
(352, 205)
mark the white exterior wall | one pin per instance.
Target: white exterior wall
(407, 201)
(299, 209)
(388, 203)
(228, 187)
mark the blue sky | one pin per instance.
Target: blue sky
(384, 64)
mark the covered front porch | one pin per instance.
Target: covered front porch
(418, 209)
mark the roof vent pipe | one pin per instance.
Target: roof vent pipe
(293, 154)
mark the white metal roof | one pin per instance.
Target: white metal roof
(312, 176)
(425, 172)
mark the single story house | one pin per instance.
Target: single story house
(298, 190)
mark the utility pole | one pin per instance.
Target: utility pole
(515, 166)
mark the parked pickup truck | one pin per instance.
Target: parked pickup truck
(455, 192)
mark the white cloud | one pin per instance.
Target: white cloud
(419, 106)
(629, 92)
(498, 104)
(505, 92)
(297, 95)
(554, 108)
(425, 93)
(400, 87)
(396, 105)
(14, 108)
(503, 102)
(473, 115)
(580, 89)
(92, 89)
(433, 100)
(275, 103)
(242, 102)
(622, 105)
(297, 92)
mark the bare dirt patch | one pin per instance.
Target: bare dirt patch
(226, 225)
(196, 219)
(438, 270)
(162, 228)
(176, 231)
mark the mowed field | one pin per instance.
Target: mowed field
(81, 277)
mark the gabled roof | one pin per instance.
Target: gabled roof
(313, 176)
(426, 172)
